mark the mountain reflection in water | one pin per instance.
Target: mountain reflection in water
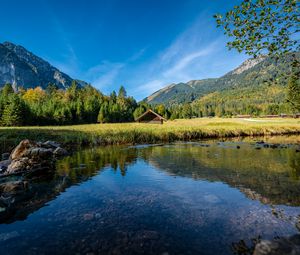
(182, 198)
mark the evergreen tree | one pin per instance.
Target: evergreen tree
(113, 96)
(7, 90)
(139, 111)
(58, 107)
(103, 114)
(13, 112)
(51, 89)
(293, 95)
(187, 111)
(122, 92)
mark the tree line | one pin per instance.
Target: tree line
(53, 106)
(83, 105)
(255, 101)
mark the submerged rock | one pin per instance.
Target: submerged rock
(282, 246)
(4, 164)
(13, 187)
(60, 152)
(274, 146)
(51, 144)
(5, 156)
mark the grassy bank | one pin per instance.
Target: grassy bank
(136, 133)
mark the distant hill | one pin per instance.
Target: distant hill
(21, 68)
(255, 74)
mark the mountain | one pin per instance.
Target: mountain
(253, 73)
(22, 68)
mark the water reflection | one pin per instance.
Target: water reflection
(268, 175)
(179, 198)
(20, 196)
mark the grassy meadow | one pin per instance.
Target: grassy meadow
(139, 133)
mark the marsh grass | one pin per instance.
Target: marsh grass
(139, 133)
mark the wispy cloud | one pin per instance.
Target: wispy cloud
(182, 61)
(103, 76)
(179, 69)
(152, 86)
(70, 65)
(196, 53)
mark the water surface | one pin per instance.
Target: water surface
(182, 198)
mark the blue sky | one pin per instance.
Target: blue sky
(141, 44)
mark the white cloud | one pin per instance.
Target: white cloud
(152, 85)
(70, 66)
(196, 53)
(103, 76)
(184, 60)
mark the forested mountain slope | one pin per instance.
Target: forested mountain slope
(254, 74)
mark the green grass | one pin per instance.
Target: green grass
(137, 133)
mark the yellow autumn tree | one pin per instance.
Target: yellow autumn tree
(34, 95)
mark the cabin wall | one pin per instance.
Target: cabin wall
(151, 119)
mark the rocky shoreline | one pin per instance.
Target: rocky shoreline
(31, 157)
(20, 173)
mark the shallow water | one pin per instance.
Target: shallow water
(182, 198)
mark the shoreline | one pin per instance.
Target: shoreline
(135, 133)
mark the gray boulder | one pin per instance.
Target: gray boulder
(18, 165)
(39, 152)
(32, 157)
(51, 144)
(60, 152)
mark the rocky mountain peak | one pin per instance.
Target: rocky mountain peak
(22, 68)
(249, 63)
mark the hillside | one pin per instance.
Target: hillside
(264, 99)
(21, 68)
(253, 73)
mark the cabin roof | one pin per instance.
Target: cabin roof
(150, 111)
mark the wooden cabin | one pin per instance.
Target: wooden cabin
(151, 117)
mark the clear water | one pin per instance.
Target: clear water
(182, 198)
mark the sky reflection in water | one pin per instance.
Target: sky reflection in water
(183, 198)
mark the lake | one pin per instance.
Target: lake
(208, 197)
